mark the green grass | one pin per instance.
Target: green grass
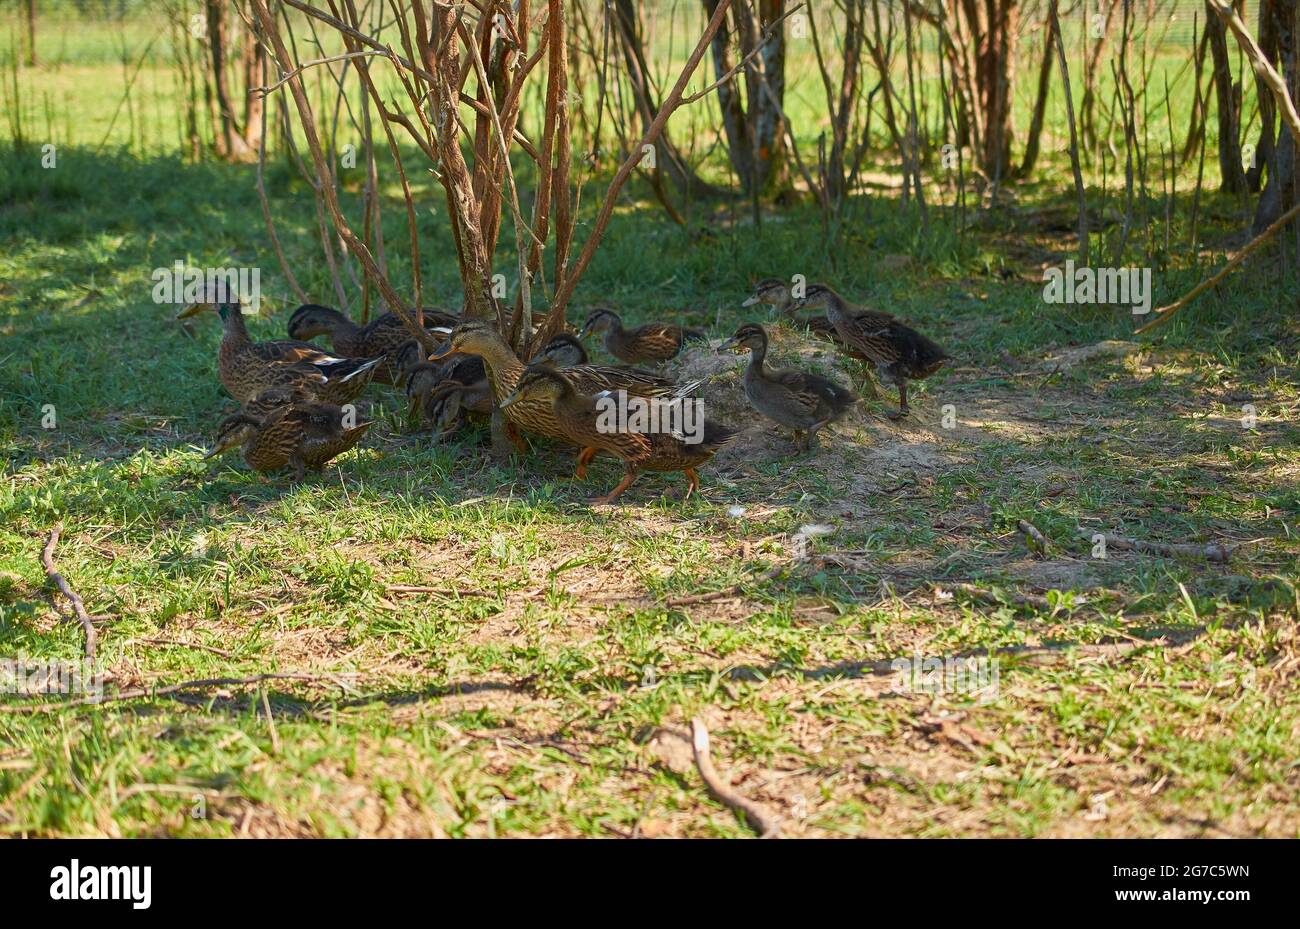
(538, 689)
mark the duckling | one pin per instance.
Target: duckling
(797, 400)
(645, 344)
(420, 378)
(478, 337)
(409, 354)
(776, 292)
(384, 335)
(898, 351)
(246, 368)
(447, 404)
(282, 427)
(581, 417)
(432, 387)
(563, 351)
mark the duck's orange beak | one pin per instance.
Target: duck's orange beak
(445, 353)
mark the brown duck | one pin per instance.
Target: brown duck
(445, 406)
(776, 292)
(580, 417)
(440, 391)
(282, 428)
(246, 368)
(799, 400)
(476, 337)
(646, 344)
(898, 351)
(563, 351)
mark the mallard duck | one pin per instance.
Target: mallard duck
(797, 400)
(898, 351)
(645, 344)
(477, 337)
(384, 335)
(563, 351)
(580, 417)
(246, 368)
(282, 428)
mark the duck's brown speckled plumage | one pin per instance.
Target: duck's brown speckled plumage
(285, 428)
(579, 417)
(776, 292)
(534, 415)
(645, 344)
(430, 387)
(799, 400)
(898, 351)
(563, 351)
(383, 336)
(246, 368)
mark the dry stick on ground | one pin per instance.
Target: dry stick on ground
(987, 596)
(1276, 84)
(136, 693)
(764, 822)
(1211, 551)
(180, 644)
(1035, 539)
(724, 592)
(78, 605)
(444, 591)
(270, 721)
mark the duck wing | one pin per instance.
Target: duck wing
(657, 339)
(592, 379)
(317, 452)
(286, 351)
(812, 392)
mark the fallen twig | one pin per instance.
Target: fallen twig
(764, 822)
(1277, 86)
(1036, 541)
(149, 692)
(270, 722)
(1165, 313)
(724, 592)
(988, 596)
(1210, 551)
(78, 605)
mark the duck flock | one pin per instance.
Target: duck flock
(298, 410)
